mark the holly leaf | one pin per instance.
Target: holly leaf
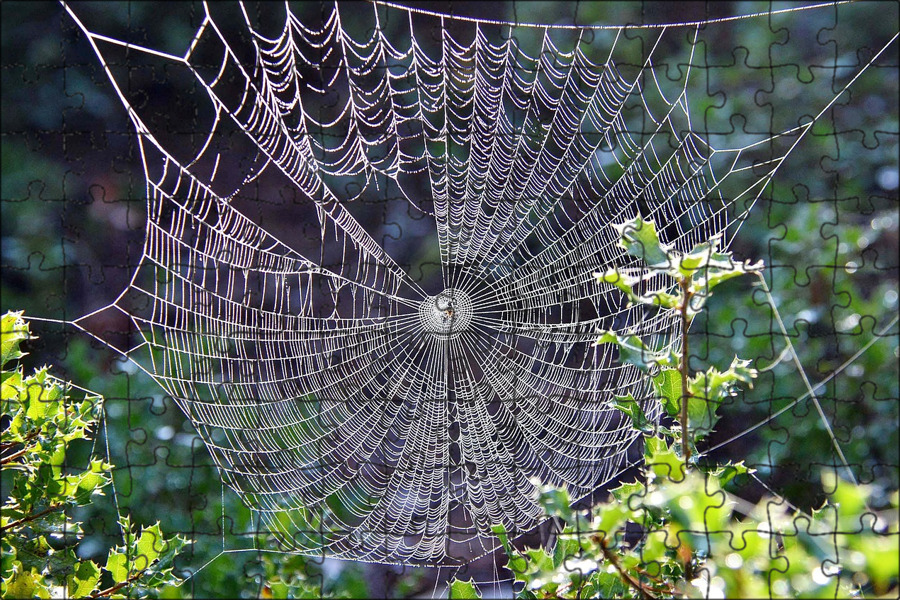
(117, 565)
(83, 581)
(709, 389)
(150, 544)
(728, 471)
(662, 460)
(13, 331)
(26, 584)
(556, 502)
(516, 563)
(621, 280)
(668, 386)
(640, 239)
(632, 408)
(539, 560)
(658, 298)
(633, 351)
(605, 585)
(567, 546)
(464, 590)
(81, 487)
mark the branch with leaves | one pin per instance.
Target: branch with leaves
(40, 422)
(696, 539)
(685, 283)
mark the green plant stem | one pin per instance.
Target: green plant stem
(685, 323)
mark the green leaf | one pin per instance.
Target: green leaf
(632, 408)
(703, 256)
(7, 558)
(633, 351)
(42, 421)
(712, 278)
(80, 488)
(83, 581)
(621, 280)
(662, 460)
(697, 258)
(716, 275)
(625, 492)
(702, 416)
(567, 546)
(25, 584)
(606, 585)
(11, 390)
(640, 239)
(539, 560)
(117, 565)
(668, 385)
(556, 502)
(173, 546)
(149, 545)
(464, 590)
(13, 331)
(516, 563)
(611, 520)
(725, 473)
(658, 298)
(709, 389)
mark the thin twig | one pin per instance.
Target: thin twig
(8, 459)
(614, 561)
(112, 590)
(11, 457)
(50, 509)
(685, 359)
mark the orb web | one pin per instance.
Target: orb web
(382, 402)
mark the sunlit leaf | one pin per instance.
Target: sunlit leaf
(632, 408)
(640, 239)
(667, 384)
(83, 581)
(13, 331)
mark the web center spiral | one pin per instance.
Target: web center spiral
(446, 315)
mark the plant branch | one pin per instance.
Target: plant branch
(643, 590)
(112, 590)
(50, 509)
(685, 366)
(11, 457)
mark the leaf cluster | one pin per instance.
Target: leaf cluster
(41, 422)
(689, 279)
(686, 536)
(684, 280)
(677, 531)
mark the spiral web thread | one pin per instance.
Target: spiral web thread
(364, 412)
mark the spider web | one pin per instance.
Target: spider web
(384, 402)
